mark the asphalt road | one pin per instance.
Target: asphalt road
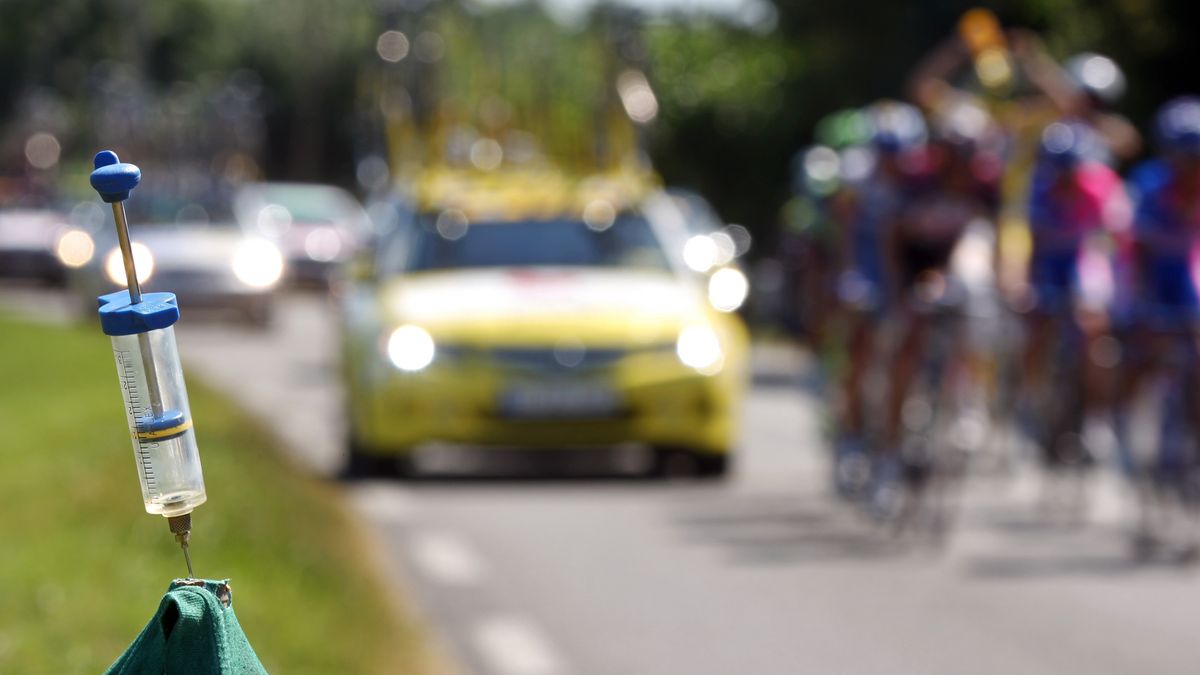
(525, 575)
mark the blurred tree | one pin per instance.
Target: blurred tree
(304, 54)
(737, 98)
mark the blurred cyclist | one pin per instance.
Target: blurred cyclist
(813, 222)
(898, 135)
(1166, 237)
(1162, 317)
(1167, 220)
(959, 190)
(1079, 218)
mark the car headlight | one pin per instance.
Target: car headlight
(410, 348)
(257, 263)
(700, 253)
(143, 260)
(727, 289)
(75, 248)
(323, 244)
(699, 348)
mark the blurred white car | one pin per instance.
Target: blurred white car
(28, 238)
(204, 256)
(317, 227)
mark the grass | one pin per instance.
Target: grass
(83, 566)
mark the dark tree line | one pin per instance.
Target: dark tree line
(737, 100)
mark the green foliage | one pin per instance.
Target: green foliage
(84, 566)
(735, 102)
(739, 74)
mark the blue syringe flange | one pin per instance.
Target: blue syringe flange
(114, 179)
(118, 316)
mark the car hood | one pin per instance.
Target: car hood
(30, 229)
(543, 306)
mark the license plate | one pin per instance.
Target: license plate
(558, 400)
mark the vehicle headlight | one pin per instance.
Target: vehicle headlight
(698, 347)
(323, 244)
(410, 348)
(700, 253)
(143, 260)
(727, 289)
(257, 263)
(75, 248)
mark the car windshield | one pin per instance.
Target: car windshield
(308, 204)
(449, 241)
(165, 210)
(182, 197)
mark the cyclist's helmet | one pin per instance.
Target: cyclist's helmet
(1177, 126)
(896, 127)
(962, 123)
(1065, 145)
(816, 171)
(1097, 76)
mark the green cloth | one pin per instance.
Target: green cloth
(194, 631)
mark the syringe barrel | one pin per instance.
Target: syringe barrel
(160, 421)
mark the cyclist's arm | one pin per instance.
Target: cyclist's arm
(1043, 72)
(930, 82)
(1121, 135)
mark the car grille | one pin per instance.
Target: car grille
(543, 360)
(191, 279)
(550, 359)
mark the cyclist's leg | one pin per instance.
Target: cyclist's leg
(1050, 278)
(904, 367)
(861, 340)
(1038, 331)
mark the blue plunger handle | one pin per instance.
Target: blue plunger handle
(114, 179)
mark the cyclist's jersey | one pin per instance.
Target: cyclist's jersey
(1022, 120)
(1168, 233)
(1065, 210)
(929, 229)
(878, 200)
(930, 225)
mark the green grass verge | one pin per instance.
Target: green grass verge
(82, 566)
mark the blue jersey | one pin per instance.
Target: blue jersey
(879, 200)
(1167, 231)
(1066, 208)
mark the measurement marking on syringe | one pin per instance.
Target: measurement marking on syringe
(136, 412)
(147, 468)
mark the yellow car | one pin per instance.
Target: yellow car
(556, 323)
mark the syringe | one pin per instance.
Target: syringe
(148, 368)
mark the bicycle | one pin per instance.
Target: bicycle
(934, 442)
(1162, 452)
(1053, 417)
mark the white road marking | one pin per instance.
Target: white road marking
(510, 645)
(446, 559)
(382, 502)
